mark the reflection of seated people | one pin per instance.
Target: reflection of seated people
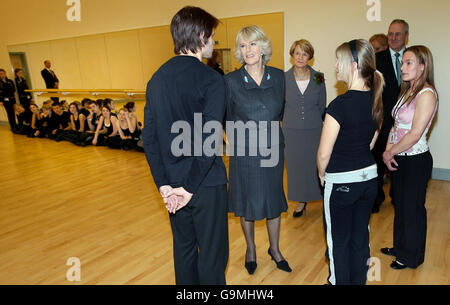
(23, 120)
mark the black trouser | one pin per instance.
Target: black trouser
(380, 147)
(200, 238)
(410, 221)
(25, 102)
(9, 107)
(70, 135)
(43, 130)
(23, 129)
(86, 138)
(347, 208)
(54, 136)
(117, 143)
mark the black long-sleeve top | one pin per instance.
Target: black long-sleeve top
(181, 87)
(7, 89)
(21, 84)
(59, 121)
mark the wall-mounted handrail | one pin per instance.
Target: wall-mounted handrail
(94, 93)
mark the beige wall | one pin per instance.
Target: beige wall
(325, 23)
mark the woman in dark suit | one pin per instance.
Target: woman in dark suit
(302, 125)
(255, 96)
(7, 97)
(21, 84)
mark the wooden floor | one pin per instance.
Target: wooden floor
(101, 206)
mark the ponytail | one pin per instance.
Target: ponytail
(377, 108)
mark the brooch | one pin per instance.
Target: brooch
(318, 78)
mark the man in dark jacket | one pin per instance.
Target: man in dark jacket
(193, 185)
(389, 63)
(50, 78)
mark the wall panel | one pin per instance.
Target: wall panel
(156, 47)
(124, 60)
(65, 63)
(93, 62)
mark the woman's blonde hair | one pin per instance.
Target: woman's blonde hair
(365, 58)
(424, 57)
(305, 45)
(253, 33)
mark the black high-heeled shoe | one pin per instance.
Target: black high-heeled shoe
(300, 213)
(282, 265)
(251, 267)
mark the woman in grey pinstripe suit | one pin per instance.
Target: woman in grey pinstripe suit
(255, 95)
(302, 125)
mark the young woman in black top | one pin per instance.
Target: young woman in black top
(36, 121)
(124, 139)
(77, 119)
(346, 165)
(107, 127)
(132, 119)
(77, 125)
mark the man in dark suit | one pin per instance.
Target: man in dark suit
(51, 81)
(389, 63)
(193, 186)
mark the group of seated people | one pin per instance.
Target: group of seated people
(89, 122)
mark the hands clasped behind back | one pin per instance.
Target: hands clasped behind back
(174, 198)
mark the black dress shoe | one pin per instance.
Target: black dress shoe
(251, 267)
(300, 213)
(282, 265)
(388, 251)
(397, 266)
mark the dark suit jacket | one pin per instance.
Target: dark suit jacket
(390, 93)
(304, 111)
(255, 106)
(181, 87)
(49, 79)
